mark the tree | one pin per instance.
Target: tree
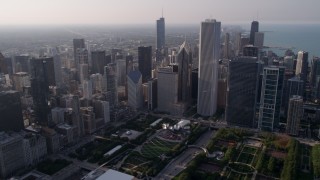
(184, 176)
(271, 164)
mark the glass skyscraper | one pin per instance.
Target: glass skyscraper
(160, 33)
(209, 53)
(271, 96)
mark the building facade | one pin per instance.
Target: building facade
(271, 96)
(242, 83)
(295, 114)
(145, 62)
(209, 53)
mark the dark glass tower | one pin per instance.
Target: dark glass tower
(160, 33)
(99, 61)
(184, 57)
(3, 64)
(242, 91)
(40, 90)
(145, 62)
(77, 43)
(10, 111)
(254, 29)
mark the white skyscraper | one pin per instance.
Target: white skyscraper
(209, 52)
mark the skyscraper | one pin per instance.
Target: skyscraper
(271, 95)
(294, 87)
(3, 65)
(302, 65)
(184, 58)
(226, 47)
(315, 71)
(81, 57)
(10, 111)
(295, 113)
(135, 98)
(258, 39)
(209, 53)
(77, 43)
(160, 33)
(145, 62)
(99, 61)
(243, 76)
(40, 90)
(21, 64)
(110, 81)
(152, 94)
(254, 29)
(167, 89)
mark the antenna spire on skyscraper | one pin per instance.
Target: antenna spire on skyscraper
(162, 12)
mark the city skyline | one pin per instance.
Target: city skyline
(41, 12)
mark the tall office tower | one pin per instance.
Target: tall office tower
(110, 86)
(254, 29)
(222, 83)
(97, 80)
(152, 94)
(294, 87)
(102, 110)
(184, 59)
(209, 53)
(194, 86)
(57, 70)
(121, 72)
(21, 64)
(114, 53)
(3, 65)
(71, 101)
(258, 39)
(40, 90)
(50, 70)
(288, 63)
(99, 61)
(84, 72)
(77, 44)
(167, 89)
(11, 154)
(250, 51)
(271, 95)
(89, 119)
(129, 68)
(315, 70)
(129, 63)
(20, 81)
(295, 114)
(57, 115)
(302, 66)
(81, 58)
(87, 89)
(145, 62)
(243, 77)
(10, 111)
(160, 33)
(9, 64)
(135, 98)
(244, 42)
(226, 47)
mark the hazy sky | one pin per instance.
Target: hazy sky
(147, 11)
